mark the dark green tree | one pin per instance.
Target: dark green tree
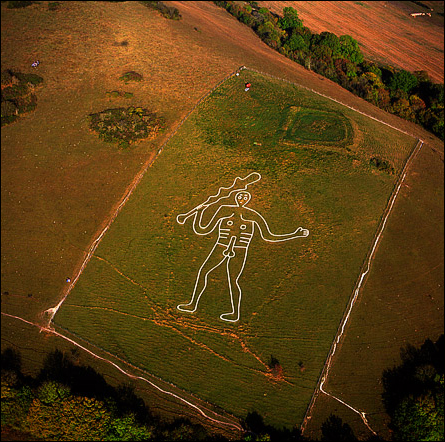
(296, 42)
(414, 393)
(290, 20)
(350, 49)
(270, 34)
(421, 417)
(333, 429)
(403, 80)
(368, 66)
(330, 40)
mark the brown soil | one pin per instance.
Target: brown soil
(385, 30)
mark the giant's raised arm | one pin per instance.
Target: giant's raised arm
(223, 193)
(266, 234)
(221, 213)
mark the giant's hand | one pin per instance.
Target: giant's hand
(301, 232)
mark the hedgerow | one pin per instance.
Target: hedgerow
(412, 96)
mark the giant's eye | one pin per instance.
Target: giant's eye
(245, 197)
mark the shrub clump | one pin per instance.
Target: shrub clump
(166, 11)
(17, 95)
(275, 367)
(383, 165)
(117, 94)
(19, 4)
(6, 78)
(53, 6)
(131, 76)
(126, 125)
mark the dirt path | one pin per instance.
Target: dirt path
(206, 413)
(48, 314)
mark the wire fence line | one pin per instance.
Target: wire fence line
(323, 376)
(49, 314)
(354, 296)
(329, 98)
(201, 410)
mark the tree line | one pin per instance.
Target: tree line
(411, 96)
(69, 401)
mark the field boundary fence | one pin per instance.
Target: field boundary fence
(367, 261)
(354, 296)
(49, 314)
(329, 98)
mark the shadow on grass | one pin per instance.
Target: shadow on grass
(415, 375)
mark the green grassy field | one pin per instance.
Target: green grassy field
(313, 155)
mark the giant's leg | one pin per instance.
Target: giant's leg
(235, 267)
(213, 260)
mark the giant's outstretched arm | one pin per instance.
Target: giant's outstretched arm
(266, 234)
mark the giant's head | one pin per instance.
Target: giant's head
(242, 198)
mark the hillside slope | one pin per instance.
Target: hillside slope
(59, 182)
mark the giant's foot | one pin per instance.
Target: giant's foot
(230, 317)
(189, 308)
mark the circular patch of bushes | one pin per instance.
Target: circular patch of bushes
(17, 95)
(131, 76)
(383, 165)
(118, 94)
(126, 125)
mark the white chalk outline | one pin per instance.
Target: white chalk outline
(242, 198)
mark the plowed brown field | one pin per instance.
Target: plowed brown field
(385, 30)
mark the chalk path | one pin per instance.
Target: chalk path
(200, 410)
(352, 301)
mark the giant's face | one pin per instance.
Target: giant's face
(242, 198)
